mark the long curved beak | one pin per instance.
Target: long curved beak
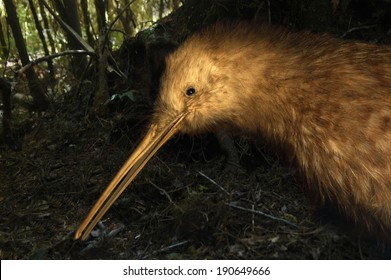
(158, 134)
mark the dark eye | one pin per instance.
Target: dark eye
(190, 91)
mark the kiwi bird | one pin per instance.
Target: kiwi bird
(328, 100)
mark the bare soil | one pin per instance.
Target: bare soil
(187, 203)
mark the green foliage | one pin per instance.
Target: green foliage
(28, 28)
(130, 95)
(145, 12)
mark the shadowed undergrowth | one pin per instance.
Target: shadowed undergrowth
(185, 204)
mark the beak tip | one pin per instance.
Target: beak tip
(78, 235)
(154, 139)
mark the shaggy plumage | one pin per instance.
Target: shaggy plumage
(328, 100)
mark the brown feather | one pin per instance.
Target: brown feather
(326, 98)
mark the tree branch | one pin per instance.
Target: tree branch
(50, 57)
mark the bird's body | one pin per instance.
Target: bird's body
(328, 100)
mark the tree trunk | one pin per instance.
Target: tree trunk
(87, 21)
(101, 8)
(126, 18)
(99, 108)
(69, 13)
(3, 44)
(43, 40)
(5, 92)
(39, 99)
(47, 28)
(161, 9)
(129, 17)
(175, 4)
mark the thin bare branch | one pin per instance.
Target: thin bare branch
(262, 214)
(213, 182)
(166, 248)
(115, 20)
(52, 56)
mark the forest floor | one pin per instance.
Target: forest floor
(185, 204)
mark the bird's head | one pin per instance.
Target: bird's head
(196, 96)
(196, 86)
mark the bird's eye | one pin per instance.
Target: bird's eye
(190, 91)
